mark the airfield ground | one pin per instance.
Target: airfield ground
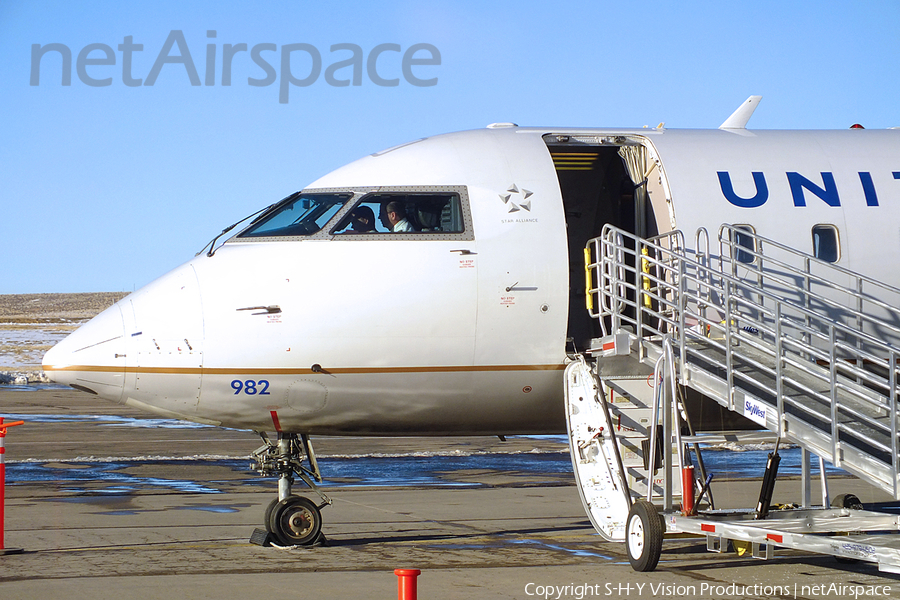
(515, 536)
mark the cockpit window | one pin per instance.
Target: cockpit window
(299, 215)
(412, 213)
(439, 212)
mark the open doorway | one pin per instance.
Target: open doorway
(600, 183)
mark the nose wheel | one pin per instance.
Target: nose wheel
(295, 521)
(291, 520)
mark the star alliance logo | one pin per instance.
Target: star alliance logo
(517, 199)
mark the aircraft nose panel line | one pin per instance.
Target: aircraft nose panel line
(112, 339)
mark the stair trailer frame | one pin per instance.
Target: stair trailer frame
(656, 314)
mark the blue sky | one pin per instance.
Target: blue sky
(106, 188)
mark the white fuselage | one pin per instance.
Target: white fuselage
(459, 332)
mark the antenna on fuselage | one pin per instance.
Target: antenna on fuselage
(739, 118)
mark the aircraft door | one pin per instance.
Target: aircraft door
(600, 184)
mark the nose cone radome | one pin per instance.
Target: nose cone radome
(92, 358)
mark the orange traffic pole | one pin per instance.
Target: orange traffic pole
(687, 490)
(3, 428)
(406, 583)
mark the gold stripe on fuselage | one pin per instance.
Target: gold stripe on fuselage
(307, 371)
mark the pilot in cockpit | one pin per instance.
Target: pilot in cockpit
(362, 220)
(396, 215)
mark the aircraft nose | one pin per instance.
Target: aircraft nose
(92, 358)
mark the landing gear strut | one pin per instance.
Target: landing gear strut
(291, 520)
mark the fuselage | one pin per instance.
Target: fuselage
(460, 326)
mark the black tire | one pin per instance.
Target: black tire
(644, 536)
(295, 521)
(847, 501)
(268, 516)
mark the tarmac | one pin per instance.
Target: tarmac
(515, 535)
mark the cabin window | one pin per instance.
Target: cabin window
(413, 214)
(743, 238)
(301, 214)
(825, 243)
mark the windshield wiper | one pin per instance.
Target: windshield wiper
(262, 213)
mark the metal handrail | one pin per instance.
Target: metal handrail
(727, 239)
(783, 320)
(870, 311)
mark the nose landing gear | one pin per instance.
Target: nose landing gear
(291, 520)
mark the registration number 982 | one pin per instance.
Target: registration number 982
(251, 387)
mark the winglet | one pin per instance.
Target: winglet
(739, 118)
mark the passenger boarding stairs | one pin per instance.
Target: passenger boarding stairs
(806, 349)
